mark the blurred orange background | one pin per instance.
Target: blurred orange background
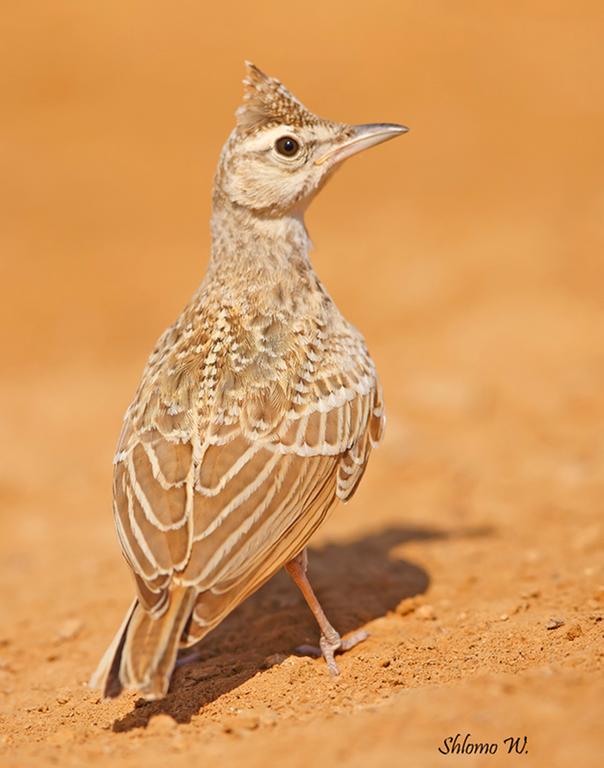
(114, 114)
(469, 252)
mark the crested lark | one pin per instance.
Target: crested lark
(257, 409)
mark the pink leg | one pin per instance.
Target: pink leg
(330, 641)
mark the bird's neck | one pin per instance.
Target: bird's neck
(258, 248)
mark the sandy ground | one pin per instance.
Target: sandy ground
(470, 254)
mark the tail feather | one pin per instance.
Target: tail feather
(142, 655)
(100, 677)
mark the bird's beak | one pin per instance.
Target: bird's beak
(363, 137)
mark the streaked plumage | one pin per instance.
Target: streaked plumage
(257, 409)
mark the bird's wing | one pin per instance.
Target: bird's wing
(222, 503)
(254, 514)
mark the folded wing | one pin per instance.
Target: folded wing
(220, 498)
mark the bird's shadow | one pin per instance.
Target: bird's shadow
(356, 582)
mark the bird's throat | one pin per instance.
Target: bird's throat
(254, 250)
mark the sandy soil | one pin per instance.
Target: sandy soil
(469, 252)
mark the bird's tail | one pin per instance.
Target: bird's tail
(142, 655)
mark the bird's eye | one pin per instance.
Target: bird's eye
(287, 146)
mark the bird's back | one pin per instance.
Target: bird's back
(257, 410)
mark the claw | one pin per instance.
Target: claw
(329, 648)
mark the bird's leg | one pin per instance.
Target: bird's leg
(330, 641)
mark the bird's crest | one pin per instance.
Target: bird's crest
(267, 102)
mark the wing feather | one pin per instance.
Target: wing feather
(219, 499)
(215, 603)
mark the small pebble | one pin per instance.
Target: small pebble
(406, 606)
(554, 623)
(161, 724)
(530, 593)
(426, 613)
(574, 632)
(69, 629)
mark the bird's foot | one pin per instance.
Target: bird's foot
(329, 646)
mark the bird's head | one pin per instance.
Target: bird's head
(280, 153)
